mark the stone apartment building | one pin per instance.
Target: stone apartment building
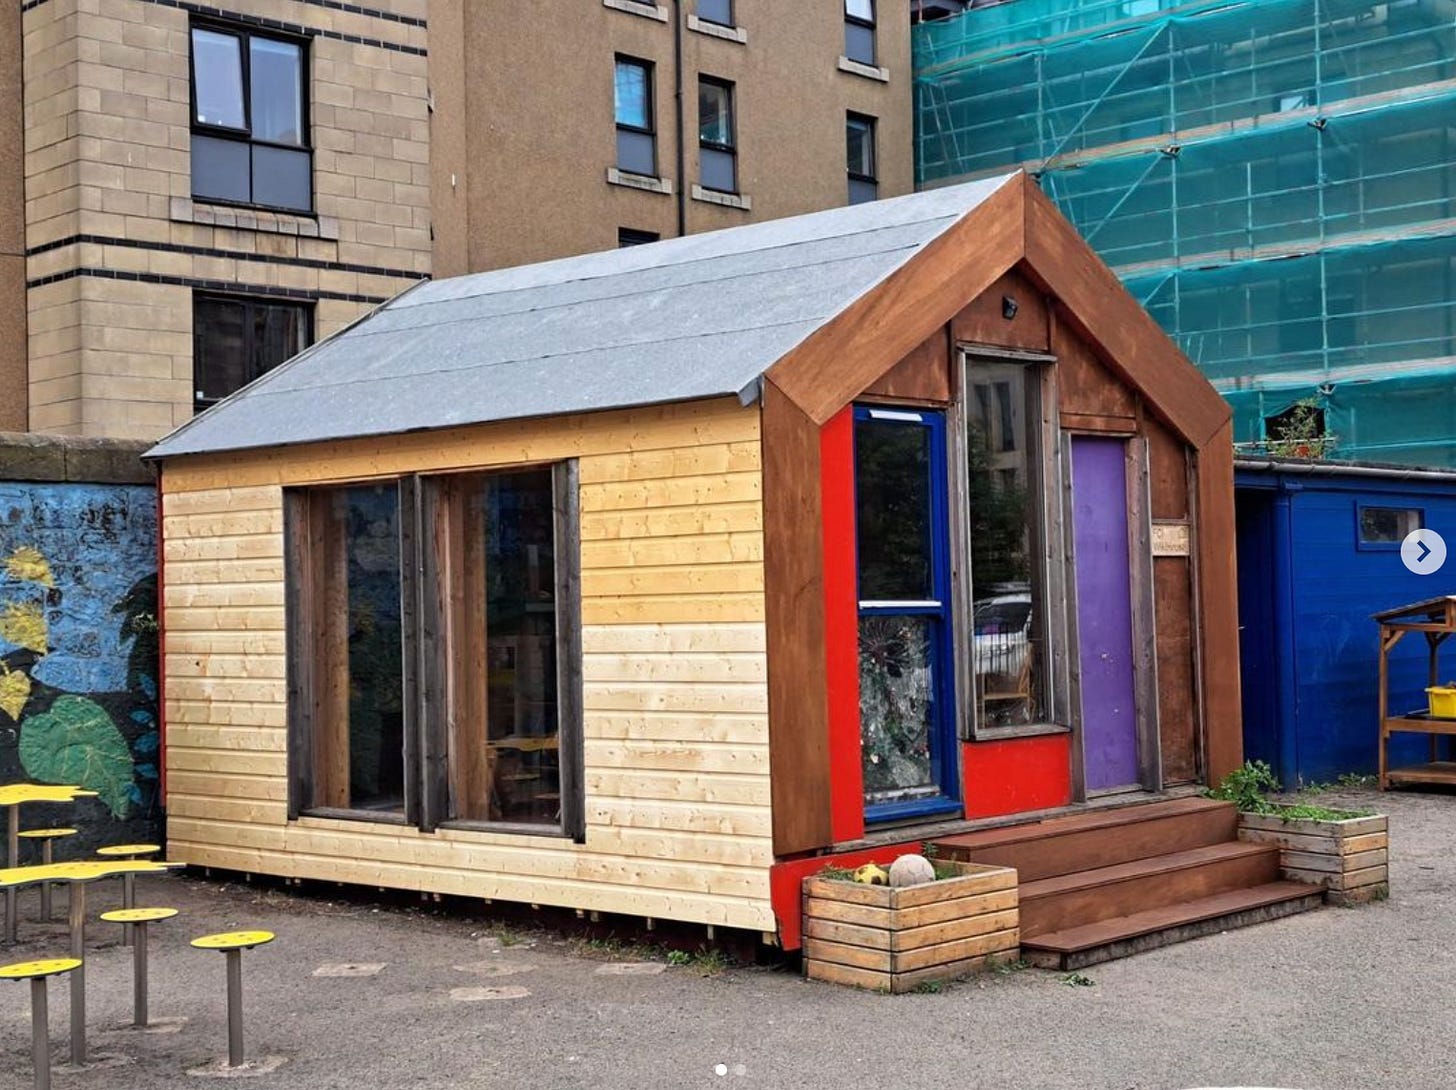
(205, 190)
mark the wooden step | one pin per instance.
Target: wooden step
(1089, 944)
(1098, 838)
(1089, 896)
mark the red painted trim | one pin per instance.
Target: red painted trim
(1017, 775)
(841, 626)
(786, 880)
(161, 678)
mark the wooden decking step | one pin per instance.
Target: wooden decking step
(1099, 838)
(1089, 944)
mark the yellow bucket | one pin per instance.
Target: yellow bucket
(1443, 701)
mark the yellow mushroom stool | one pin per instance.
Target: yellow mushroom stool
(138, 918)
(47, 857)
(232, 944)
(40, 1033)
(128, 881)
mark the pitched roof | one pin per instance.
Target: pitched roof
(701, 316)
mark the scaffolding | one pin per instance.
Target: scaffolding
(1275, 181)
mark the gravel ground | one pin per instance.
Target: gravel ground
(1339, 998)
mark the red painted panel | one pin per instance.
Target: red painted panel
(841, 626)
(786, 882)
(1017, 775)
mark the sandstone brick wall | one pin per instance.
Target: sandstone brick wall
(116, 245)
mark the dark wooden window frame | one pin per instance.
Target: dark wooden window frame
(245, 135)
(426, 727)
(1051, 596)
(248, 302)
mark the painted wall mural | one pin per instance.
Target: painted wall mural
(78, 644)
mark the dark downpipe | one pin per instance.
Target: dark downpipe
(682, 155)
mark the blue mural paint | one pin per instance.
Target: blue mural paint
(78, 648)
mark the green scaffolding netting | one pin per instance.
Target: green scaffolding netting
(1275, 181)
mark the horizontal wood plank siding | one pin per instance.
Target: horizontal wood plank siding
(678, 821)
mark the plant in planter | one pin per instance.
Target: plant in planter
(1345, 852)
(896, 938)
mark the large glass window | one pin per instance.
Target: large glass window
(434, 650)
(249, 128)
(492, 547)
(354, 595)
(236, 339)
(717, 143)
(636, 131)
(1003, 509)
(859, 146)
(859, 30)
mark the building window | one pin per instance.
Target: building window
(1003, 471)
(249, 123)
(434, 650)
(236, 339)
(859, 30)
(716, 11)
(628, 236)
(1388, 526)
(636, 134)
(859, 140)
(717, 143)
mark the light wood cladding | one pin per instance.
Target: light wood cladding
(678, 820)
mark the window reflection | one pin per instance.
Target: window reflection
(1009, 661)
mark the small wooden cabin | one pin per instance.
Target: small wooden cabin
(642, 581)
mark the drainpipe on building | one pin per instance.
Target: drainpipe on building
(682, 157)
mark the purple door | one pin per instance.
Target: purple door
(1104, 613)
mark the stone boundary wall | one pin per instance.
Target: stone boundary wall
(78, 634)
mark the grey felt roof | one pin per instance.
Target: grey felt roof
(688, 318)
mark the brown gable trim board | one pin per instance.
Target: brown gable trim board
(842, 359)
(1099, 308)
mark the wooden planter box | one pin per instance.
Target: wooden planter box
(1349, 859)
(892, 940)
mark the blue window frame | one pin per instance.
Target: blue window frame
(1381, 528)
(909, 750)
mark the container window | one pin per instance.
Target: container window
(1388, 525)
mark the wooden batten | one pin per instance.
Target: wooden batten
(1217, 621)
(794, 612)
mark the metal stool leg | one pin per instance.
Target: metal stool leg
(40, 1034)
(235, 1007)
(139, 977)
(128, 900)
(46, 857)
(78, 975)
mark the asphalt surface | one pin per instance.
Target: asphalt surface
(1334, 999)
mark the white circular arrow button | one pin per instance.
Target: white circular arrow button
(1423, 552)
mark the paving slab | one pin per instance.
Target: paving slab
(1338, 999)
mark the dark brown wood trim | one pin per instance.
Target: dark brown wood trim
(1218, 615)
(798, 698)
(569, 692)
(844, 358)
(298, 642)
(1114, 425)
